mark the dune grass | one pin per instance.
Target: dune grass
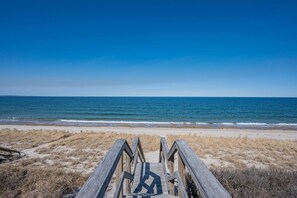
(243, 152)
(20, 140)
(31, 182)
(58, 162)
(75, 152)
(252, 182)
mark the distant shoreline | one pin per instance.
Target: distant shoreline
(165, 131)
(144, 124)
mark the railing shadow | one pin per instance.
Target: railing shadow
(148, 184)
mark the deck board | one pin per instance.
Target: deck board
(149, 180)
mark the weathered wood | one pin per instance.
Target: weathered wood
(181, 186)
(156, 196)
(163, 149)
(119, 172)
(119, 188)
(167, 164)
(181, 171)
(128, 170)
(141, 151)
(135, 161)
(149, 180)
(171, 169)
(134, 145)
(98, 182)
(204, 180)
(137, 148)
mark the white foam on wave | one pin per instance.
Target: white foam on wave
(81, 122)
(202, 123)
(285, 124)
(251, 124)
(226, 123)
(123, 122)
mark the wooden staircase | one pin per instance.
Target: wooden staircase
(146, 179)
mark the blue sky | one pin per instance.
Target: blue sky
(148, 48)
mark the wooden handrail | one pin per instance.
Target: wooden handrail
(171, 176)
(204, 180)
(97, 183)
(137, 145)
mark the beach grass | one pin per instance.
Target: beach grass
(254, 182)
(240, 152)
(20, 140)
(29, 182)
(74, 152)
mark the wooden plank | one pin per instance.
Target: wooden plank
(171, 169)
(181, 171)
(124, 175)
(164, 148)
(204, 180)
(134, 145)
(141, 151)
(156, 196)
(119, 172)
(135, 159)
(181, 187)
(119, 186)
(149, 180)
(128, 169)
(137, 148)
(98, 182)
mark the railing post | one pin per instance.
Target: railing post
(171, 169)
(181, 171)
(128, 169)
(118, 173)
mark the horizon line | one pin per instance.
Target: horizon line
(86, 96)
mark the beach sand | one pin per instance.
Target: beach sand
(165, 131)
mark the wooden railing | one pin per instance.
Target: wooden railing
(122, 160)
(112, 162)
(204, 180)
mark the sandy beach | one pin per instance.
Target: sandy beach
(165, 131)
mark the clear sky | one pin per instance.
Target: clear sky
(148, 48)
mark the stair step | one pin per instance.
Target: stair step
(149, 180)
(157, 196)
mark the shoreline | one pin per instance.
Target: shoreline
(277, 134)
(161, 124)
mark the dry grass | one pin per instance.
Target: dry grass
(104, 141)
(243, 152)
(35, 182)
(252, 182)
(82, 152)
(20, 140)
(75, 152)
(56, 161)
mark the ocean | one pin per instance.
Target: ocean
(206, 112)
